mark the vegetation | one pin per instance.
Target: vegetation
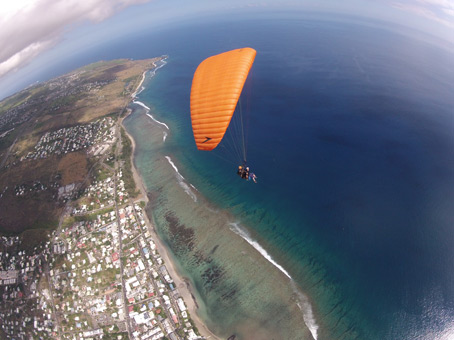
(126, 153)
(196, 330)
(65, 101)
(13, 101)
(68, 221)
(94, 216)
(110, 160)
(102, 174)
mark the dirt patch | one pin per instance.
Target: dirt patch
(29, 171)
(18, 213)
(73, 167)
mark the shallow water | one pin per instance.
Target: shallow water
(350, 134)
(239, 291)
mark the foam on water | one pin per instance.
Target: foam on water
(303, 302)
(235, 227)
(152, 72)
(141, 88)
(149, 115)
(181, 181)
(157, 67)
(135, 94)
(141, 104)
(306, 308)
(157, 121)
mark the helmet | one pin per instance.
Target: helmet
(247, 168)
(240, 167)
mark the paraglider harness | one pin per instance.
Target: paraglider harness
(243, 172)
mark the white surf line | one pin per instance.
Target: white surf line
(157, 121)
(149, 115)
(141, 104)
(140, 91)
(181, 180)
(163, 61)
(303, 303)
(140, 88)
(305, 306)
(134, 95)
(235, 227)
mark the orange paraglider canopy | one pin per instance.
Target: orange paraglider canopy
(216, 88)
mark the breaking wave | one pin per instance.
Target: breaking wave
(157, 121)
(182, 182)
(149, 115)
(235, 227)
(303, 302)
(141, 104)
(157, 66)
(140, 88)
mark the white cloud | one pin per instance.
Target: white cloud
(23, 56)
(441, 11)
(31, 26)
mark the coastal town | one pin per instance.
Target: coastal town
(99, 274)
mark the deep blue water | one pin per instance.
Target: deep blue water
(351, 133)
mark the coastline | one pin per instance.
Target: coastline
(239, 273)
(248, 273)
(181, 283)
(140, 84)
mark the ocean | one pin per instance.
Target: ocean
(349, 232)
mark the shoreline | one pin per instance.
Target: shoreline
(301, 308)
(181, 282)
(134, 94)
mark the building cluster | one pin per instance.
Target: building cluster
(21, 113)
(24, 309)
(64, 91)
(70, 85)
(154, 304)
(18, 114)
(53, 96)
(74, 138)
(23, 189)
(85, 280)
(122, 193)
(100, 276)
(99, 195)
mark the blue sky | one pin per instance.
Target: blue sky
(33, 29)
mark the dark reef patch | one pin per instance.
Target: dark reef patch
(181, 238)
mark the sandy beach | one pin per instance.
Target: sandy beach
(181, 283)
(140, 84)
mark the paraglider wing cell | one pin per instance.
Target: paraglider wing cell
(216, 88)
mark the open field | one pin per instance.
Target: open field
(34, 209)
(73, 167)
(19, 213)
